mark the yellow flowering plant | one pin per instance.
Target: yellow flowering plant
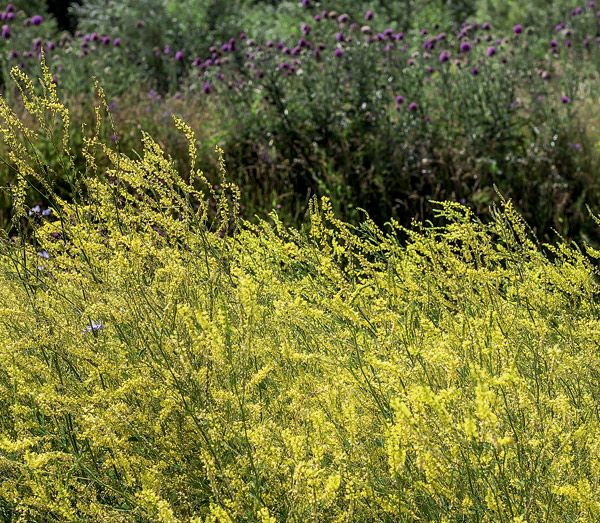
(156, 365)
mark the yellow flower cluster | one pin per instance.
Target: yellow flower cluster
(158, 366)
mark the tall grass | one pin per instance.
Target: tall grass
(158, 364)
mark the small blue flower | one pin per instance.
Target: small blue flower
(34, 210)
(46, 212)
(94, 327)
(44, 254)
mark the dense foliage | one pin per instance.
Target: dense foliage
(379, 105)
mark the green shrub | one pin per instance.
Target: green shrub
(466, 120)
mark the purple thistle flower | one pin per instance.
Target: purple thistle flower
(568, 43)
(399, 99)
(206, 88)
(559, 27)
(411, 62)
(94, 36)
(179, 56)
(5, 31)
(339, 37)
(518, 29)
(592, 4)
(94, 327)
(369, 15)
(399, 36)
(36, 20)
(565, 99)
(10, 8)
(474, 71)
(339, 52)
(553, 43)
(117, 42)
(444, 56)
(413, 106)
(10, 16)
(106, 40)
(13, 54)
(485, 26)
(305, 29)
(423, 32)
(491, 50)
(316, 18)
(167, 50)
(465, 47)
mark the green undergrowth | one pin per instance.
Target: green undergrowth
(158, 364)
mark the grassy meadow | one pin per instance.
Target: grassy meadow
(300, 262)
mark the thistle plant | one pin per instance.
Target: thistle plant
(394, 118)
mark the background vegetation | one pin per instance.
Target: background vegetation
(298, 120)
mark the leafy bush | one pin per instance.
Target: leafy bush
(161, 365)
(392, 120)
